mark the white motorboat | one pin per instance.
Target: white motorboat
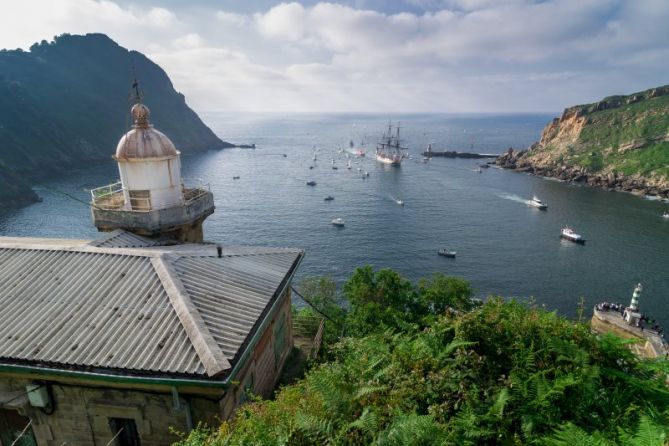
(568, 234)
(666, 215)
(447, 253)
(537, 203)
(338, 222)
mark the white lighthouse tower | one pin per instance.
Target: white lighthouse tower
(151, 199)
(149, 165)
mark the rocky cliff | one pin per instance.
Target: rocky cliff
(619, 143)
(65, 104)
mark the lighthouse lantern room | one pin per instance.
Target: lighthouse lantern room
(151, 199)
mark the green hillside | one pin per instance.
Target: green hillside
(621, 143)
(65, 104)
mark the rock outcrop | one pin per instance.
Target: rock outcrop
(620, 143)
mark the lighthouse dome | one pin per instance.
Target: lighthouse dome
(144, 141)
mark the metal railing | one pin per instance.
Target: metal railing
(108, 197)
(192, 194)
(309, 328)
(111, 197)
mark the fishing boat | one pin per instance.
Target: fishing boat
(537, 203)
(568, 234)
(311, 183)
(328, 198)
(447, 253)
(338, 222)
(389, 150)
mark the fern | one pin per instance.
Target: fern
(412, 429)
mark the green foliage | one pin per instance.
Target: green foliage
(502, 373)
(383, 300)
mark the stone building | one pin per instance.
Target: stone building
(147, 329)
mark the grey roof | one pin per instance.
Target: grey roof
(175, 310)
(124, 239)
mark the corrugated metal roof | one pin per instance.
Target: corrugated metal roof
(231, 292)
(124, 239)
(96, 307)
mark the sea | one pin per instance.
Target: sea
(504, 247)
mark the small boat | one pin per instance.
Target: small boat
(568, 234)
(397, 200)
(338, 222)
(366, 173)
(484, 166)
(285, 156)
(236, 177)
(666, 215)
(348, 165)
(334, 168)
(535, 202)
(447, 253)
(311, 183)
(478, 170)
(328, 198)
(311, 167)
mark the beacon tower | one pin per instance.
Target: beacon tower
(151, 199)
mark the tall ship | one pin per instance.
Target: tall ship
(389, 150)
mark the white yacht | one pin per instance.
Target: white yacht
(665, 215)
(537, 203)
(338, 222)
(568, 234)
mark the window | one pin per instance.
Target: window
(124, 431)
(13, 429)
(140, 200)
(279, 338)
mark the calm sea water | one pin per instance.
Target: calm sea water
(504, 247)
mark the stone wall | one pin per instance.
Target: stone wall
(82, 414)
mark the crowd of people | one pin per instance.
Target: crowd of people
(644, 321)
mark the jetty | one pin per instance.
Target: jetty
(629, 323)
(429, 153)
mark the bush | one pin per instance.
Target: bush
(502, 373)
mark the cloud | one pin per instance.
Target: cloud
(441, 55)
(232, 18)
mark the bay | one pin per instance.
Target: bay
(504, 247)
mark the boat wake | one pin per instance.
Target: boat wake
(513, 197)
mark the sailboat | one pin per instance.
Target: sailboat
(389, 151)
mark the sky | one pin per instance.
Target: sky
(401, 56)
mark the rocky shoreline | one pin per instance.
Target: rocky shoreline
(612, 181)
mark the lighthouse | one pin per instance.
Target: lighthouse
(151, 198)
(631, 315)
